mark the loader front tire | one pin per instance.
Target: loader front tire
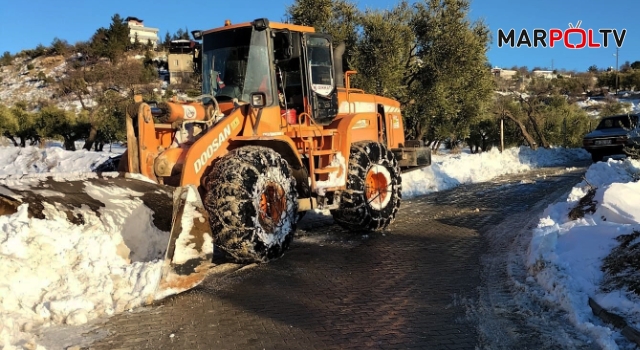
(252, 203)
(374, 189)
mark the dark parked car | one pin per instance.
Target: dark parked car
(610, 136)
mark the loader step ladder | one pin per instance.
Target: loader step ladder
(319, 145)
(321, 151)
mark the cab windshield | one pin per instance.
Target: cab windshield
(618, 122)
(235, 63)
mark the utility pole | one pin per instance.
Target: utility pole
(617, 73)
(564, 130)
(501, 133)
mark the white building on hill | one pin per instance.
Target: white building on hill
(546, 74)
(503, 73)
(144, 33)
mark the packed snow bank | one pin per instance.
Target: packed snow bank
(449, 171)
(55, 272)
(565, 256)
(28, 160)
(58, 273)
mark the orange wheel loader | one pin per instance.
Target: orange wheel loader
(276, 132)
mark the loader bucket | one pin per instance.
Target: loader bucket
(190, 250)
(152, 222)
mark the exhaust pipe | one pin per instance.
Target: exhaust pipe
(338, 52)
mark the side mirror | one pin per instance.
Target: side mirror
(284, 48)
(197, 34)
(258, 99)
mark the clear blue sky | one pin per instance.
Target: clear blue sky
(25, 24)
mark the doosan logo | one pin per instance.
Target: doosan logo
(571, 38)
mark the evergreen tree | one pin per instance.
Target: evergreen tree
(384, 54)
(167, 41)
(40, 50)
(112, 42)
(455, 85)
(117, 38)
(6, 59)
(178, 34)
(136, 42)
(338, 18)
(98, 44)
(59, 47)
(150, 72)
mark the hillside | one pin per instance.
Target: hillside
(37, 81)
(80, 95)
(19, 82)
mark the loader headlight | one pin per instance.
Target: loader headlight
(258, 99)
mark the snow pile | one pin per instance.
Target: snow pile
(28, 160)
(449, 171)
(633, 105)
(565, 256)
(55, 272)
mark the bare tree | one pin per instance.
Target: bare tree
(502, 111)
(88, 81)
(529, 106)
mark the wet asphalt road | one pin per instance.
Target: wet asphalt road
(435, 280)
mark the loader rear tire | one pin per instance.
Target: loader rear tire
(252, 203)
(374, 189)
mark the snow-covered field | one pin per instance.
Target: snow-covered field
(29, 160)
(56, 273)
(565, 255)
(632, 104)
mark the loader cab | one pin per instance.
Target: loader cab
(293, 67)
(305, 74)
(235, 63)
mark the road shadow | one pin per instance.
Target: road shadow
(331, 290)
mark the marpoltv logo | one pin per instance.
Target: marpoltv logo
(571, 38)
